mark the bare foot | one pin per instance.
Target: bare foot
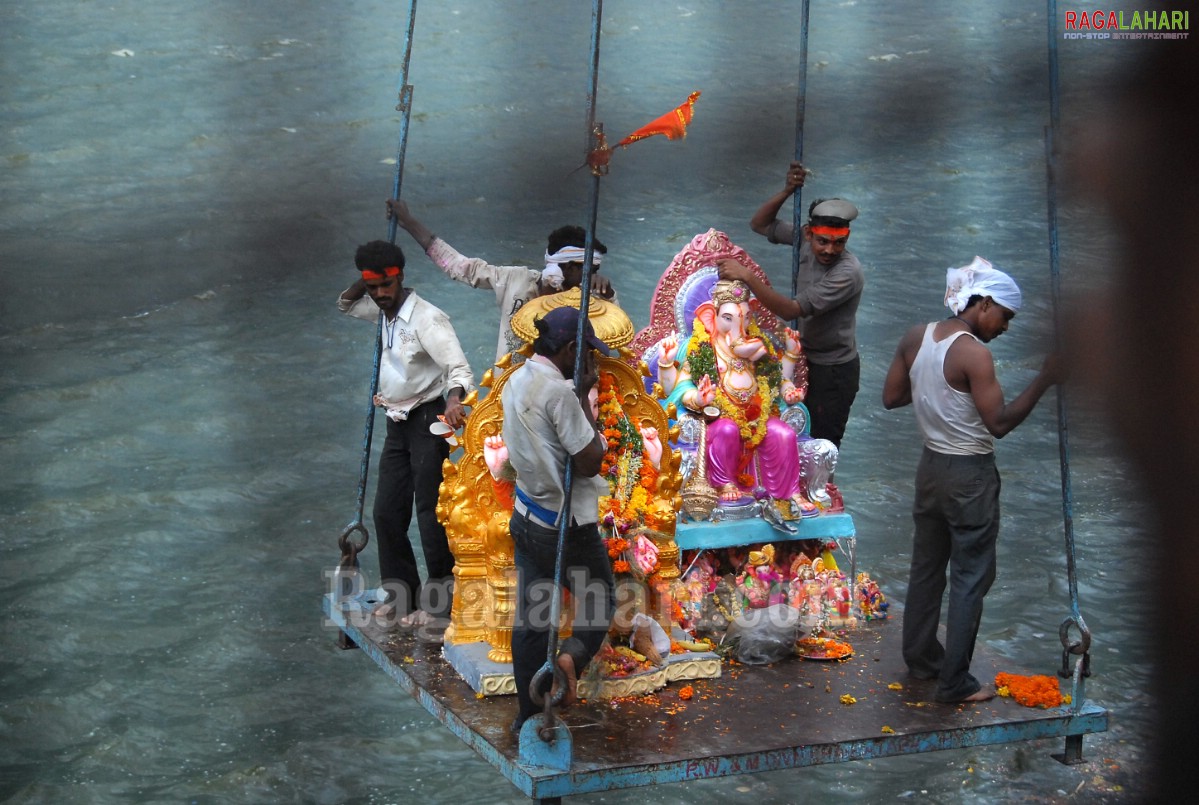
(980, 695)
(803, 506)
(567, 665)
(729, 493)
(416, 618)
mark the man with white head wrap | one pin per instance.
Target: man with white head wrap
(513, 285)
(945, 372)
(980, 278)
(553, 276)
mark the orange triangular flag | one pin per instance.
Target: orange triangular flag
(673, 124)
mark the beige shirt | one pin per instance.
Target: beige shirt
(421, 360)
(513, 286)
(544, 426)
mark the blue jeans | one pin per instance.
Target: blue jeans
(586, 572)
(957, 525)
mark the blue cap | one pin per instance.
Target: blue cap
(562, 326)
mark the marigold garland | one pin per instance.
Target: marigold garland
(752, 417)
(631, 477)
(1030, 691)
(617, 545)
(700, 361)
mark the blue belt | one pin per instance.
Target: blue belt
(540, 512)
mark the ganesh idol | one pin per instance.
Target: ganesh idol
(733, 375)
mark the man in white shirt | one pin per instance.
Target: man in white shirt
(513, 285)
(423, 375)
(545, 426)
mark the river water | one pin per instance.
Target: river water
(183, 188)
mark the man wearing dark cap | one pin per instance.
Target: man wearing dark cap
(547, 422)
(829, 288)
(423, 374)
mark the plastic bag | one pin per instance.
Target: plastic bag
(661, 640)
(766, 635)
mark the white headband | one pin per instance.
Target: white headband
(980, 279)
(552, 274)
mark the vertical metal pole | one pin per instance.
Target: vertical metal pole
(349, 549)
(548, 733)
(1081, 646)
(597, 9)
(404, 107)
(797, 212)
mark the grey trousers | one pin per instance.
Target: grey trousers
(957, 523)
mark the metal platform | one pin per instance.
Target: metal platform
(751, 719)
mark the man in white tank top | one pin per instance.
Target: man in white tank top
(944, 370)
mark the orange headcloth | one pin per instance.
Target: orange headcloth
(383, 273)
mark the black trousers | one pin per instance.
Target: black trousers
(586, 572)
(831, 392)
(410, 473)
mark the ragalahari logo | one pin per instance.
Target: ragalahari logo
(1100, 24)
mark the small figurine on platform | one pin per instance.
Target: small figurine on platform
(721, 608)
(759, 584)
(871, 600)
(699, 583)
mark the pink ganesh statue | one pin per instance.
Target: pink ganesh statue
(736, 378)
(730, 372)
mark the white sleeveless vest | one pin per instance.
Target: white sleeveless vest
(948, 419)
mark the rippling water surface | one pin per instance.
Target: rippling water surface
(184, 186)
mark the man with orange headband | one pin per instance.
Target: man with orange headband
(513, 285)
(423, 375)
(829, 288)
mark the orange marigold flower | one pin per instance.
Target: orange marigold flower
(1030, 691)
(686, 692)
(620, 566)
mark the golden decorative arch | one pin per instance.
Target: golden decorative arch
(611, 324)
(475, 509)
